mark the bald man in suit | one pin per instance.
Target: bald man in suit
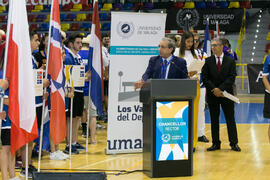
(165, 65)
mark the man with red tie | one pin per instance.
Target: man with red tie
(218, 75)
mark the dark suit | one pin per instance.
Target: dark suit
(177, 69)
(223, 80)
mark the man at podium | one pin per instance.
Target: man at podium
(165, 65)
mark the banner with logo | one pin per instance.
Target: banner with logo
(229, 20)
(43, 2)
(172, 130)
(255, 72)
(134, 39)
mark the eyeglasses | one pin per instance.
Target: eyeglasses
(163, 47)
(196, 40)
(215, 45)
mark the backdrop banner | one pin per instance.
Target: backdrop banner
(134, 39)
(229, 20)
(255, 72)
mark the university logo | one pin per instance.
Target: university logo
(125, 29)
(189, 15)
(165, 137)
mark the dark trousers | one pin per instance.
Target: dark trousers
(228, 109)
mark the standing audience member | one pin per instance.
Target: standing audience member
(34, 43)
(266, 82)
(187, 52)
(55, 153)
(7, 160)
(93, 114)
(227, 49)
(201, 118)
(74, 43)
(106, 62)
(218, 75)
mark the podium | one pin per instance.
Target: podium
(168, 127)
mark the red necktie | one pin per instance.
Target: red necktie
(218, 64)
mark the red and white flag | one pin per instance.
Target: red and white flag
(55, 70)
(22, 110)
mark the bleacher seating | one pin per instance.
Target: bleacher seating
(86, 7)
(29, 8)
(65, 26)
(37, 8)
(47, 18)
(200, 5)
(106, 26)
(34, 27)
(2, 18)
(104, 17)
(148, 6)
(85, 26)
(128, 6)
(245, 4)
(46, 8)
(222, 4)
(40, 18)
(189, 5)
(234, 4)
(81, 17)
(267, 47)
(211, 5)
(268, 36)
(107, 7)
(89, 17)
(74, 27)
(178, 5)
(118, 6)
(44, 27)
(76, 7)
(31, 18)
(67, 7)
(71, 17)
(63, 17)
(2, 9)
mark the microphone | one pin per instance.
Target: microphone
(180, 69)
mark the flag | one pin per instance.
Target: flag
(207, 41)
(22, 110)
(95, 62)
(55, 70)
(217, 29)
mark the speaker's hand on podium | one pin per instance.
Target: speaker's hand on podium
(138, 84)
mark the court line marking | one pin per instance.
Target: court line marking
(100, 162)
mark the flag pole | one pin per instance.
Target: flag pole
(70, 126)
(88, 117)
(26, 161)
(5, 59)
(45, 90)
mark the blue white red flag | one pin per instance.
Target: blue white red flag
(95, 62)
(55, 70)
(22, 110)
(207, 40)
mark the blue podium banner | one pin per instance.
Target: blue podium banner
(172, 130)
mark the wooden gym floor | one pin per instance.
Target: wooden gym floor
(252, 163)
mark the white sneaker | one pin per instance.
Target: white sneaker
(56, 156)
(15, 178)
(66, 156)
